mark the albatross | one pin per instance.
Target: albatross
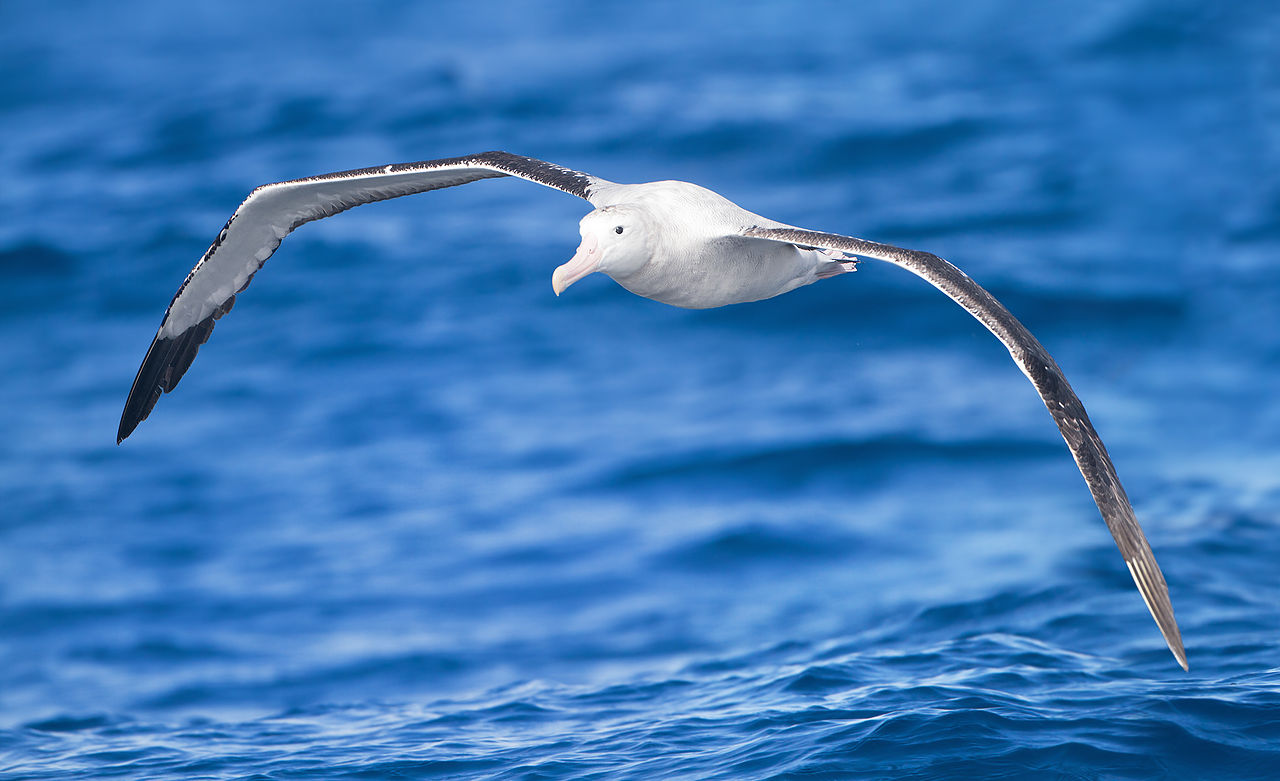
(670, 241)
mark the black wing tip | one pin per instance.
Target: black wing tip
(167, 360)
(1173, 638)
(147, 387)
(1174, 641)
(1153, 589)
(127, 425)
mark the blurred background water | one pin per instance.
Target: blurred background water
(411, 516)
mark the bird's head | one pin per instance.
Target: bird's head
(615, 241)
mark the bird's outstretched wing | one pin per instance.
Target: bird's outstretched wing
(269, 214)
(1035, 362)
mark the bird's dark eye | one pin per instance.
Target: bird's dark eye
(618, 229)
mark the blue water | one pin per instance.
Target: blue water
(411, 516)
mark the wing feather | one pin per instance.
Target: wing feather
(1063, 404)
(270, 213)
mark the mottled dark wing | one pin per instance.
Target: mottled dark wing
(1088, 450)
(269, 214)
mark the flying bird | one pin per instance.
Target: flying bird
(670, 241)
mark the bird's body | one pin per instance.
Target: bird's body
(673, 242)
(700, 258)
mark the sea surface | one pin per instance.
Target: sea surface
(409, 515)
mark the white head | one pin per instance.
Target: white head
(615, 241)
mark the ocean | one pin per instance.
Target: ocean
(410, 515)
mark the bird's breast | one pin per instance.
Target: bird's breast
(727, 270)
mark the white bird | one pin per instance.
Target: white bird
(670, 241)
